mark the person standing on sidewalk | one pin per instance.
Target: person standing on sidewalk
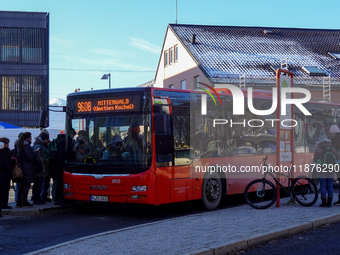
(26, 159)
(46, 185)
(5, 175)
(12, 163)
(325, 154)
(40, 145)
(335, 139)
(57, 164)
(14, 153)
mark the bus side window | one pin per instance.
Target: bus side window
(160, 123)
(164, 138)
(181, 134)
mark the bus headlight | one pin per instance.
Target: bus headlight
(67, 186)
(139, 188)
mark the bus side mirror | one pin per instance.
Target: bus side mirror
(43, 119)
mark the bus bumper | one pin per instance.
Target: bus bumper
(113, 189)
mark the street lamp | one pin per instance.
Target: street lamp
(107, 76)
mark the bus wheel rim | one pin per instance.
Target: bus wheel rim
(212, 190)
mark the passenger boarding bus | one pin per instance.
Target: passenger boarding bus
(153, 145)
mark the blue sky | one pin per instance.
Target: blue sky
(90, 38)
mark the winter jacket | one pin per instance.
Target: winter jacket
(8, 153)
(5, 171)
(57, 164)
(14, 152)
(41, 156)
(26, 158)
(318, 155)
(319, 150)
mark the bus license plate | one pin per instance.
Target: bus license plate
(100, 198)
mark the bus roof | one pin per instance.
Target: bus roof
(256, 92)
(105, 91)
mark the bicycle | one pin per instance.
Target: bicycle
(262, 194)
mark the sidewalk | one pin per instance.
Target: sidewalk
(48, 207)
(212, 232)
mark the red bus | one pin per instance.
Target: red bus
(145, 145)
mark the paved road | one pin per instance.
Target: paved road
(33, 230)
(22, 234)
(188, 232)
(322, 241)
(215, 232)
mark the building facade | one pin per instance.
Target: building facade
(249, 57)
(24, 67)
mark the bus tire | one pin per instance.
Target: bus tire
(211, 191)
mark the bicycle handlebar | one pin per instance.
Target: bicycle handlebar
(264, 163)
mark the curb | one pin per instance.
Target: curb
(50, 248)
(263, 239)
(223, 248)
(39, 211)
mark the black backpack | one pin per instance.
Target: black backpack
(52, 150)
(327, 157)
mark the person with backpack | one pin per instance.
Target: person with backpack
(56, 154)
(325, 154)
(26, 158)
(40, 145)
(335, 139)
(14, 153)
(46, 184)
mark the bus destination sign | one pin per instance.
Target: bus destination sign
(104, 105)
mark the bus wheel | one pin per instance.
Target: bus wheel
(211, 191)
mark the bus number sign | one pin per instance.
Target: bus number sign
(106, 105)
(84, 107)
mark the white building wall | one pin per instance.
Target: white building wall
(184, 63)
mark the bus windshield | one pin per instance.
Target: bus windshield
(109, 144)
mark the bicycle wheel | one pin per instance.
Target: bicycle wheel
(305, 191)
(260, 194)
